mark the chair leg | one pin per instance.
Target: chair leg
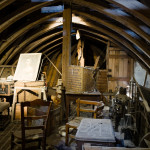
(39, 144)
(44, 143)
(67, 134)
(23, 145)
(12, 141)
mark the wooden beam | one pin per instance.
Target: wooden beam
(129, 6)
(124, 20)
(24, 13)
(119, 56)
(120, 39)
(119, 79)
(145, 78)
(5, 3)
(9, 55)
(24, 30)
(66, 50)
(138, 43)
(53, 65)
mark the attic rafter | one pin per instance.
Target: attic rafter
(97, 39)
(38, 49)
(9, 55)
(122, 41)
(48, 50)
(22, 31)
(118, 30)
(130, 23)
(97, 34)
(5, 3)
(45, 45)
(36, 44)
(20, 15)
(134, 12)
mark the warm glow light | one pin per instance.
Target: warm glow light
(78, 20)
(75, 19)
(77, 35)
(54, 24)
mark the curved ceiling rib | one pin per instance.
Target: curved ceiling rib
(5, 3)
(130, 23)
(15, 62)
(9, 54)
(132, 7)
(117, 29)
(123, 42)
(24, 30)
(20, 15)
(102, 21)
(120, 40)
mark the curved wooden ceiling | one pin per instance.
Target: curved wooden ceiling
(24, 29)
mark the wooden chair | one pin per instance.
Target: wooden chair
(33, 123)
(98, 106)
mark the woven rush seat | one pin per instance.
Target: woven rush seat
(76, 121)
(29, 134)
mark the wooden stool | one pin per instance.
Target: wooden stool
(4, 119)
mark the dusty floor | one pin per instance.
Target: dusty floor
(57, 142)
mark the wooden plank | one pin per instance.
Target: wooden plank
(118, 56)
(115, 49)
(119, 79)
(125, 68)
(116, 64)
(7, 66)
(145, 78)
(2, 71)
(128, 6)
(5, 3)
(120, 68)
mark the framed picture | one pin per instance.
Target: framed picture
(28, 67)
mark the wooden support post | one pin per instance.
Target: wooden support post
(66, 50)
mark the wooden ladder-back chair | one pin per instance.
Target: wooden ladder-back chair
(98, 106)
(33, 123)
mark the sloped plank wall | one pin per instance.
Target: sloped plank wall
(120, 67)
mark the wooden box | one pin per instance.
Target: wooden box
(79, 79)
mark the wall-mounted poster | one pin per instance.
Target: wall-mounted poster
(28, 67)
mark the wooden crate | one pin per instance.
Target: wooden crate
(79, 79)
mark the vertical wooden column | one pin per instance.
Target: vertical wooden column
(66, 50)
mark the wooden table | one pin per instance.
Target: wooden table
(98, 132)
(73, 96)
